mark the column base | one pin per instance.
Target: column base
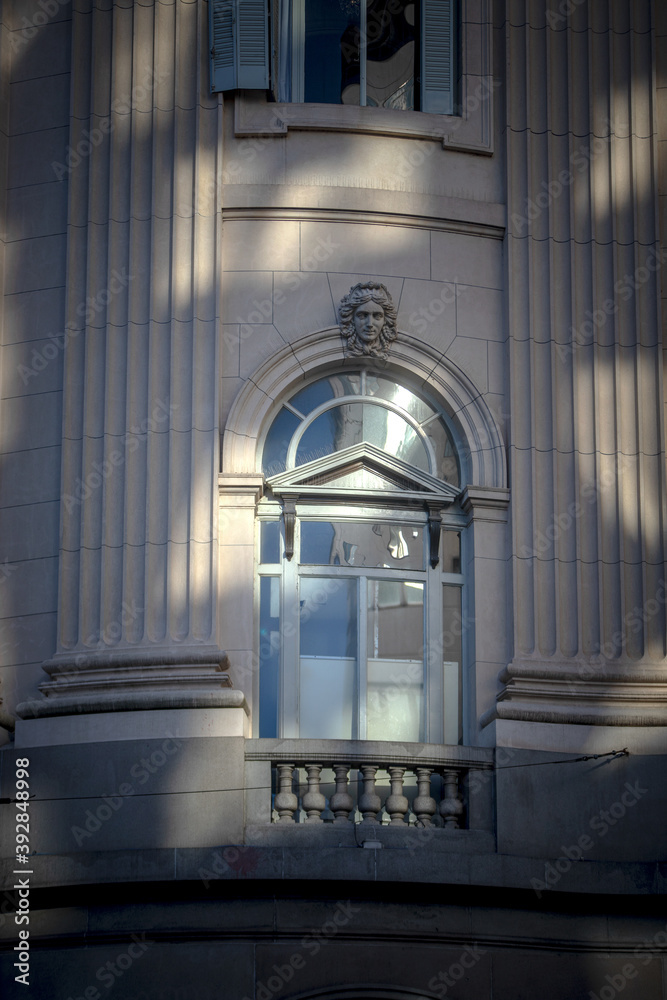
(132, 680)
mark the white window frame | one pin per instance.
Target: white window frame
(291, 47)
(442, 694)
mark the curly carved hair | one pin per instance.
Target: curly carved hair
(358, 295)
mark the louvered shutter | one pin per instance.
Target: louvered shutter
(438, 56)
(239, 44)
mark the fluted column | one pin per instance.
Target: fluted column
(587, 457)
(137, 589)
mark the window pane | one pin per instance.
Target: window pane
(269, 542)
(360, 543)
(306, 400)
(389, 431)
(269, 655)
(447, 463)
(336, 429)
(395, 666)
(277, 442)
(328, 661)
(331, 54)
(451, 655)
(395, 620)
(385, 388)
(390, 65)
(450, 551)
(394, 700)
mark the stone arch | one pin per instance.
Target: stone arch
(480, 438)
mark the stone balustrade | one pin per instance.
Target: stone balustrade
(338, 783)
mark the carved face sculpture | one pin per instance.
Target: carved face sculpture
(368, 321)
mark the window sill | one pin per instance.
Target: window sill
(470, 132)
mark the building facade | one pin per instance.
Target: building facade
(333, 499)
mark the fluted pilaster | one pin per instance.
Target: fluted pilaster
(140, 433)
(587, 457)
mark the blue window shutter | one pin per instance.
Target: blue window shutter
(222, 32)
(253, 44)
(239, 44)
(438, 56)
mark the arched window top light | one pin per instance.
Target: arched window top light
(360, 406)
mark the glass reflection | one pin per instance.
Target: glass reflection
(328, 662)
(269, 655)
(277, 442)
(390, 60)
(269, 547)
(352, 423)
(359, 543)
(450, 552)
(331, 52)
(395, 669)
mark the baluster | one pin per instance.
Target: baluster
(424, 806)
(313, 801)
(451, 807)
(341, 803)
(396, 804)
(369, 803)
(285, 801)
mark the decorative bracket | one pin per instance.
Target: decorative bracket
(289, 517)
(434, 527)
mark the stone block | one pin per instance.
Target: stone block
(428, 312)
(258, 343)
(30, 531)
(302, 303)
(31, 368)
(31, 422)
(365, 249)
(471, 356)
(467, 260)
(35, 107)
(247, 297)
(32, 155)
(260, 244)
(42, 42)
(35, 264)
(480, 314)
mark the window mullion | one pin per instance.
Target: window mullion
(433, 661)
(362, 647)
(363, 46)
(290, 648)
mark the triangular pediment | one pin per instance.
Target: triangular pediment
(361, 469)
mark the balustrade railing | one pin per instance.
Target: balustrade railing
(397, 788)
(312, 806)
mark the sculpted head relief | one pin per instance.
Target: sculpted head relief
(367, 320)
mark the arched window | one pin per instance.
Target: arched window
(360, 564)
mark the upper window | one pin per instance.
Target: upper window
(374, 53)
(393, 54)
